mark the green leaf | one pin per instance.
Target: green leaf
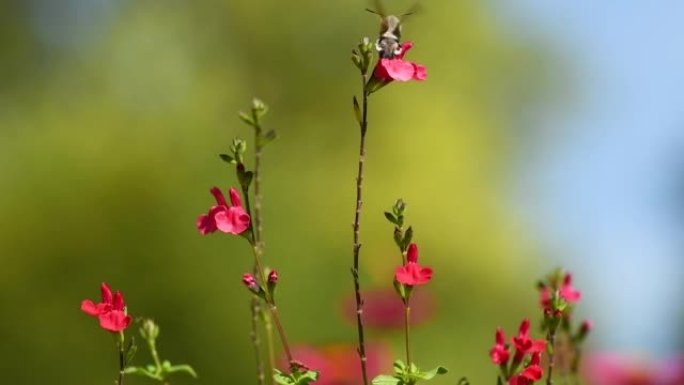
(131, 350)
(281, 378)
(399, 366)
(183, 369)
(431, 373)
(270, 136)
(390, 217)
(305, 378)
(408, 236)
(227, 158)
(464, 381)
(384, 379)
(246, 118)
(357, 110)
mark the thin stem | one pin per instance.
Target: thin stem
(256, 235)
(407, 312)
(155, 356)
(551, 340)
(256, 341)
(363, 125)
(122, 359)
(255, 309)
(268, 325)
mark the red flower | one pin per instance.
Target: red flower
(399, 69)
(499, 353)
(231, 219)
(532, 372)
(524, 344)
(111, 312)
(412, 273)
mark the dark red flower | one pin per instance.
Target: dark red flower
(111, 312)
(399, 69)
(412, 273)
(231, 219)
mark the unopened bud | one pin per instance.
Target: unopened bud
(149, 330)
(584, 330)
(259, 107)
(272, 277)
(249, 281)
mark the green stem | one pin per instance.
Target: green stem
(363, 125)
(551, 340)
(407, 312)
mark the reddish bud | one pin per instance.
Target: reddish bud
(248, 280)
(272, 277)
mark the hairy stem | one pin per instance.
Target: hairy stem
(363, 125)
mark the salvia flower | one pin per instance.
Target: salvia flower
(532, 372)
(228, 218)
(499, 353)
(524, 344)
(566, 291)
(399, 69)
(111, 312)
(412, 273)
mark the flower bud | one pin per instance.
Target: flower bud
(149, 330)
(584, 330)
(273, 277)
(259, 107)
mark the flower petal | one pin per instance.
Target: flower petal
(114, 321)
(90, 308)
(106, 293)
(235, 198)
(218, 195)
(412, 253)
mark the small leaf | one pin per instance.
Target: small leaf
(390, 217)
(227, 158)
(131, 350)
(399, 365)
(357, 110)
(142, 372)
(270, 136)
(464, 381)
(408, 236)
(384, 379)
(246, 118)
(432, 373)
(281, 378)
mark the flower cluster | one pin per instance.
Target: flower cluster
(228, 218)
(111, 311)
(525, 347)
(566, 292)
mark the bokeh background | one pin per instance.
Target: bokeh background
(548, 133)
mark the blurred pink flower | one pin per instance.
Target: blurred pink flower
(614, 369)
(384, 310)
(111, 312)
(566, 291)
(338, 364)
(399, 69)
(231, 219)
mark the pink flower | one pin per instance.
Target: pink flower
(499, 353)
(383, 310)
(399, 69)
(111, 312)
(524, 344)
(532, 372)
(412, 273)
(566, 291)
(613, 369)
(338, 364)
(248, 280)
(231, 219)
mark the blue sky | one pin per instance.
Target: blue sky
(607, 191)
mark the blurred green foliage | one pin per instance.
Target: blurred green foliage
(112, 114)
